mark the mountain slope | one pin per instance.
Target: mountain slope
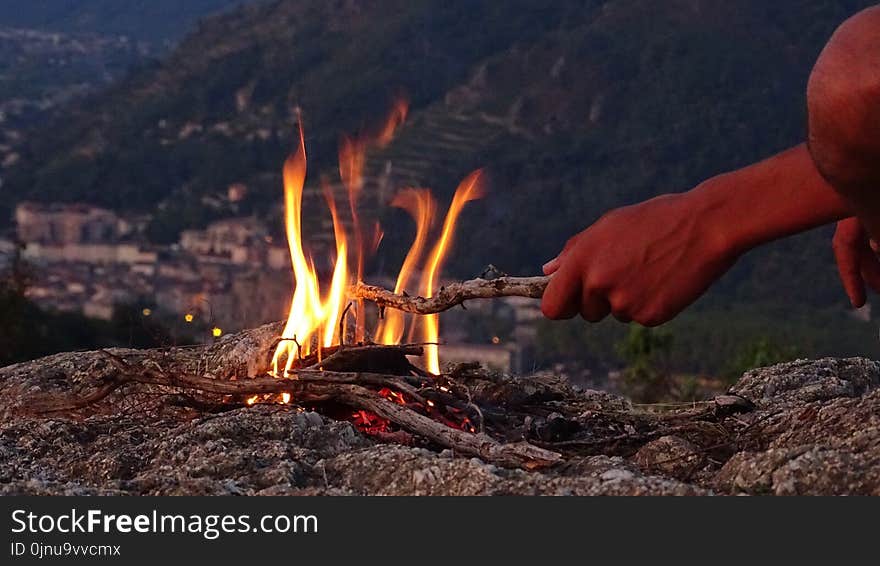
(575, 108)
(153, 20)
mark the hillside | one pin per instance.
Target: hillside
(574, 108)
(153, 20)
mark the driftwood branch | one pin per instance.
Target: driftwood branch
(453, 294)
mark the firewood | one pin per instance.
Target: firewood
(454, 294)
(507, 421)
(312, 386)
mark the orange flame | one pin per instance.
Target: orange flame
(421, 206)
(308, 313)
(314, 318)
(471, 188)
(396, 118)
(352, 158)
(336, 298)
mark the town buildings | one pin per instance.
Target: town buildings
(230, 275)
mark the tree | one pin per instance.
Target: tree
(646, 351)
(762, 352)
(14, 308)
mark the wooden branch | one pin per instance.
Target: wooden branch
(513, 455)
(313, 386)
(453, 294)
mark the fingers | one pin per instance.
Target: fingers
(566, 295)
(870, 272)
(620, 308)
(848, 243)
(551, 266)
(594, 306)
(562, 296)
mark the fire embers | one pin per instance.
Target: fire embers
(372, 424)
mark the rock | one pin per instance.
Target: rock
(267, 449)
(806, 380)
(825, 447)
(671, 456)
(814, 428)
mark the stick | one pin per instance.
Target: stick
(512, 455)
(453, 294)
(311, 386)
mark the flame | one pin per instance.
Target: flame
(421, 206)
(339, 283)
(308, 313)
(352, 158)
(396, 118)
(315, 320)
(471, 188)
(352, 155)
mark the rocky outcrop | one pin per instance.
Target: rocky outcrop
(820, 430)
(814, 429)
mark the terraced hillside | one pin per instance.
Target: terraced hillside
(573, 107)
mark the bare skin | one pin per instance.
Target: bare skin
(648, 262)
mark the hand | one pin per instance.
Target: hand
(857, 262)
(645, 262)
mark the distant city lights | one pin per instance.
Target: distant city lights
(217, 332)
(188, 317)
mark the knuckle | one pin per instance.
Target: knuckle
(597, 281)
(620, 303)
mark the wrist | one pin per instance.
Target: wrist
(724, 227)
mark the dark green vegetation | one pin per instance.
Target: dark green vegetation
(151, 20)
(575, 107)
(27, 332)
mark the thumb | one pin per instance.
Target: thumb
(552, 266)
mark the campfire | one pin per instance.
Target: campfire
(314, 335)
(385, 380)
(318, 319)
(317, 327)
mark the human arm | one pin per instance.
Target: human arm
(648, 261)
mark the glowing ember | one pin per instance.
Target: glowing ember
(370, 423)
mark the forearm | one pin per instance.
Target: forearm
(777, 197)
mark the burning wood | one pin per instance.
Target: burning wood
(307, 361)
(314, 316)
(454, 294)
(518, 423)
(438, 409)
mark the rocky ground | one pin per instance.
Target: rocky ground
(814, 429)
